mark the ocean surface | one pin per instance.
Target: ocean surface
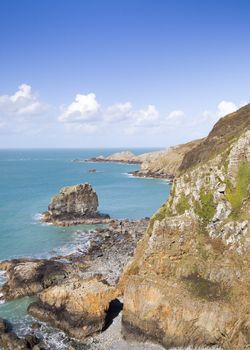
(28, 180)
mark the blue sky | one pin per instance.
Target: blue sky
(121, 73)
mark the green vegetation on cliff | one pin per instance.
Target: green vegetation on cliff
(182, 205)
(236, 195)
(205, 208)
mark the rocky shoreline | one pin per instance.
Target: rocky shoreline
(50, 280)
(152, 175)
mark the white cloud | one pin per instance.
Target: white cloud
(209, 117)
(23, 102)
(118, 112)
(87, 115)
(84, 109)
(146, 117)
(175, 115)
(226, 107)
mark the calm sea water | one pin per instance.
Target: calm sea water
(28, 180)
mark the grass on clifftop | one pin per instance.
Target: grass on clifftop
(242, 188)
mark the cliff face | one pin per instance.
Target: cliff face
(189, 280)
(166, 162)
(223, 133)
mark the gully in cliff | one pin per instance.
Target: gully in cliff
(75, 205)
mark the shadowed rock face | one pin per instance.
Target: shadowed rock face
(188, 283)
(73, 204)
(28, 277)
(77, 306)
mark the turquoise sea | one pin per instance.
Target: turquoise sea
(28, 180)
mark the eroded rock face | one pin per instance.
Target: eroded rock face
(77, 306)
(28, 277)
(74, 205)
(188, 283)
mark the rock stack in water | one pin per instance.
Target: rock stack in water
(74, 205)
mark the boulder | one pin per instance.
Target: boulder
(77, 306)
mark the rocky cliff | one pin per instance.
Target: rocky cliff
(189, 281)
(164, 164)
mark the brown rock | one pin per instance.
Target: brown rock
(28, 277)
(77, 306)
(74, 205)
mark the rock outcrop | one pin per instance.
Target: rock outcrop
(29, 277)
(74, 205)
(77, 306)
(188, 283)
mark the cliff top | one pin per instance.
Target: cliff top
(223, 133)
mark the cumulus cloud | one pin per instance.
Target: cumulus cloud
(83, 109)
(209, 117)
(175, 115)
(88, 115)
(24, 102)
(146, 117)
(226, 107)
(118, 112)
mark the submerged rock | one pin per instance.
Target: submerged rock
(74, 205)
(77, 306)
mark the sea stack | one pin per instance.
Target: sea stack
(74, 205)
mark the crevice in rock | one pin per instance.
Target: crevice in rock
(115, 307)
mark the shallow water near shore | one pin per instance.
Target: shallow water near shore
(28, 180)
